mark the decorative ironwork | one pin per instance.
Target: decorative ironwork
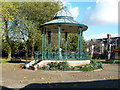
(71, 55)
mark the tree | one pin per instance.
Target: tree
(33, 17)
(8, 11)
(73, 42)
(21, 21)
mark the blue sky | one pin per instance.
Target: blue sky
(101, 16)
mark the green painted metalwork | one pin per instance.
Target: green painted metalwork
(42, 44)
(62, 25)
(45, 44)
(84, 27)
(63, 17)
(59, 50)
(49, 44)
(80, 43)
(71, 55)
(37, 55)
(66, 45)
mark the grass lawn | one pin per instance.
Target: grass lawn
(13, 60)
(4, 60)
(107, 62)
(111, 62)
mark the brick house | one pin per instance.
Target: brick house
(109, 46)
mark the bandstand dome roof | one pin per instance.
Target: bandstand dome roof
(63, 13)
(65, 20)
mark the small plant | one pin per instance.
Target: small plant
(88, 67)
(46, 67)
(92, 61)
(65, 66)
(56, 66)
(53, 65)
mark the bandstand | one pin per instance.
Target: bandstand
(62, 22)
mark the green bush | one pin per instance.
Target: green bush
(88, 67)
(46, 67)
(53, 65)
(92, 61)
(65, 66)
(56, 66)
(95, 61)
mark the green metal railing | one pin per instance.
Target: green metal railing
(69, 55)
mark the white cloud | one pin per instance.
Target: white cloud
(105, 13)
(88, 8)
(74, 11)
(100, 35)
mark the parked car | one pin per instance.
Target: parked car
(96, 55)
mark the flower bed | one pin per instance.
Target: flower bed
(64, 66)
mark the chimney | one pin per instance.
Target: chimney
(109, 36)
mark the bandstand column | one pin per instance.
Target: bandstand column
(66, 45)
(43, 44)
(80, 43)
(49, 44)
(59, 50)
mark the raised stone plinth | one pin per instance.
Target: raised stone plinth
(70, 62)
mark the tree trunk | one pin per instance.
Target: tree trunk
(7, 37)
(26, 50)
(32, 52)
(9, 53)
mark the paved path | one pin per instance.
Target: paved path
(13, 76)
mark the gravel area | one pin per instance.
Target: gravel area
(13, 76)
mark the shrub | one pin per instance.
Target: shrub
(92, 61)
(65, 66)
(46, 67)
(56, 66)
(53, 65)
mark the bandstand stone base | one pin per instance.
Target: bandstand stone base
(70, 62)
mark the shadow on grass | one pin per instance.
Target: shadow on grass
(15, 61)
(114, 83)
